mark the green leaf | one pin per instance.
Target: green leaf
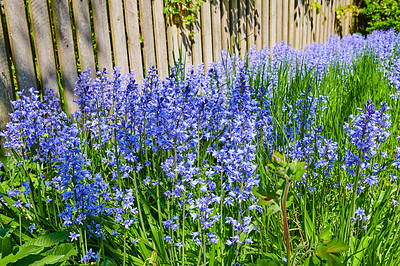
(266, 198)
(326, 234)
(330, 251)
(50, 260)
(5, 242)
(48, 239)
(22, 253)
(337, 246)
(66, 249)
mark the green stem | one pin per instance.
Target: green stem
(285, 221)
(20, 230)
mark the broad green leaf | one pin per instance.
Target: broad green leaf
(22, 253)
(337, 246)
(48, 239)
(326, 234)
(361, 251)
(265, 197)
(50, 260)
(66, 249)
(5, 242)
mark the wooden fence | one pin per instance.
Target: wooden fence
(47, 43)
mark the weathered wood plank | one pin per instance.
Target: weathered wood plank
(348, 20)
(304, 27)
(206, 33)
(133, 39)
(250, 23)
(84, 35)
(328, 22)
(258, 23)
(172, 38)
(318, 24)
(299, 21)
(146, 24)
(160, 38)
(20, 43)
(292, 23)
(285, 22)
(272, 25)
(313, 25)
(6, 89)
(242, 27)
(39, 14)
(118, 35)
(234, 25)
(279, 20)
(66, 52)
(185, 44)
(103, 45)
(265, 28)
(225, 25)
(196, 45)
(216, 28)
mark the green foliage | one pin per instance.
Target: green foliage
(43, 250)
(372, 15)
(382, 14)
(183, 11)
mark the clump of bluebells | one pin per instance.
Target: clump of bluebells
(169, 165)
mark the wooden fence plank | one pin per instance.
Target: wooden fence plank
(118, 35)
(20, 43)
(66, 52)
(133, 39)
(146, 24)
(304, 26)
(6, 89)
(242, 27)
(250, 23)
(292, 22)
(84, 35)
(196, 45)
(285, 21)
(225, 25)
(185, 44)
(272, 25)
(172, 38)
(160, 38)
(314, 25)
(329, 28)
(206, 33)
(318, 25)
(348, 20)
(299, 26)
(279, 20)
(265, 29)
(103, 45)
(39, 14)
(234, 18)
(258, 23)
(216, 28)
